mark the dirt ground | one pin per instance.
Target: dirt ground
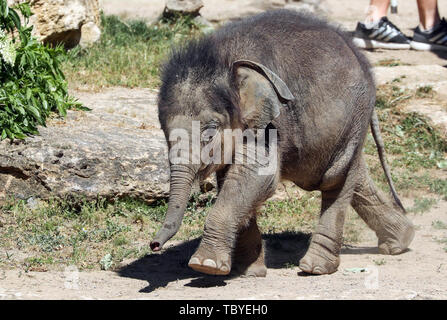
(419, 273)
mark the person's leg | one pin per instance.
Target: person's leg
(428, 14)
(431, 34)
(376, 10)
(377, 31)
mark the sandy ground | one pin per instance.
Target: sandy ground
(419, 273)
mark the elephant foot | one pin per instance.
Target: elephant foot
(210, 262)
(319, 260)
(255, 270)
(397, 238)
(249, 252)
(315, 264)
(250, 264)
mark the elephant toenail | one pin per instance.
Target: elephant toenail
(305, 267)
(194, 261)
(318, 270)
(210, 263)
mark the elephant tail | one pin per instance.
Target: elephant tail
(381, 150)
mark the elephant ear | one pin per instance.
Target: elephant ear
(261, 93)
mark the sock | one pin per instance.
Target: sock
(428, 31)
(370, 23)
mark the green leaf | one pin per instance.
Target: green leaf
(4, 8)
(36, 85)
(15, 19)
(34, 112)
(28, 94)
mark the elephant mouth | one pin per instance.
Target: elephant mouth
(155, 246)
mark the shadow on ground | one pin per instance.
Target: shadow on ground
(159, 269)
(282, 250)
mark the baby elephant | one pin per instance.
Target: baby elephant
(303, 98)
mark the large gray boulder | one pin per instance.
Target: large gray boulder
(191, 7)
(225, 10)
(115, 150)
(70, 22)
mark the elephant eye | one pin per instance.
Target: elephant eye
(213, 125)
(209, 133)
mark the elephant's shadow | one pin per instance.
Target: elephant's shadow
(159, 269)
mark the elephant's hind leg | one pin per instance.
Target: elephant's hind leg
(249, 252)
(322, 257)
(394, 230)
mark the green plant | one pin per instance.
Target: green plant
(379, 262)
(422, 205)
(129, 53)
(437, 224)
(32, 84)
(409, 136)
(442, 241)
(425, 92)
(390, 63)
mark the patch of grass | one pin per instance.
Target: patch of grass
(129, 53)
(399, 79)
(293, 214)
(411, 142)
(442, 241)
(39, 263)
(390, 63)
(422, 205)
(80, 232)
(438, 186)
(353, 228)
(390, 95)
(425, 92)
(416, 143)
(437, 224)
(290, 265)
(379, 262)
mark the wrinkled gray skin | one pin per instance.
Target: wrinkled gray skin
(303, 77)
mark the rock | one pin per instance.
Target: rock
(115, 150)
(190, 7)
(90, 34)
(313, 6)
(300, 7)
(149, 10)
(215, 11)
(224, 10)
(206, 26)
(63, 21)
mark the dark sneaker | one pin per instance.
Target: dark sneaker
(384, 35)
(434, 40)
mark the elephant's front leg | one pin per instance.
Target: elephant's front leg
(230, 229)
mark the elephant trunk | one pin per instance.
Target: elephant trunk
(182, 178)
